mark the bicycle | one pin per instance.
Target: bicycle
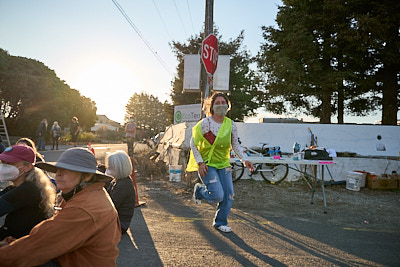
(271, 172)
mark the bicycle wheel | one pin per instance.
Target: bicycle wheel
(237, 171)
(273, 173)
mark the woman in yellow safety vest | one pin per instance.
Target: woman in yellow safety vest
(211, 142)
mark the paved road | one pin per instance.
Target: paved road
(171, 231)
(100, 151)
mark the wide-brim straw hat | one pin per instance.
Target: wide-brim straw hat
(76, 159)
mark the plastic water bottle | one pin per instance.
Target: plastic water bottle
(296, 150)
(296, 147)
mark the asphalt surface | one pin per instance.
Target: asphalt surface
(169, 230)
(172, 231)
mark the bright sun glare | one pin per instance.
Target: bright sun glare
(110, 85)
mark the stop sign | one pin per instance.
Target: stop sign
(209, 53)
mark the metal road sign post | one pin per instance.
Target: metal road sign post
(208, 30)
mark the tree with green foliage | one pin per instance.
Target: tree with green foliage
(242, 84)
(321, 60)
(378, 22)
(30, 91)
(148, 113)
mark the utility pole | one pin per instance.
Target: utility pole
(209, 28)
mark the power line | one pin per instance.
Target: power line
(190, 15)
(162, 21)
(179, 15)
(141, 36)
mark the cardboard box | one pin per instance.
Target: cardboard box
(382, 182)
(369, 178)
(397, 177)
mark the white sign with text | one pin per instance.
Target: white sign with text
(185, 113)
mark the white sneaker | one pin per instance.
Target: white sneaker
(224, 228)
(196, 200)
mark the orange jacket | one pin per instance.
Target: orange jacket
(85, 232)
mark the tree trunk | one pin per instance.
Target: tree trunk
(325, 116)
(340, 91)
(389, 92)
(340, 105)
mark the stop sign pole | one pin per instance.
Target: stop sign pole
(206, 78)
(209, 56)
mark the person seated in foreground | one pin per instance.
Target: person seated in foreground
(39, 157)
(29, 199)
(2, 147)
(25, 141)
(85, 229)
(121, 189)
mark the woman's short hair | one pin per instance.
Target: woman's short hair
(119, 163)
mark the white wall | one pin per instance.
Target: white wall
(359, 139)
(339, 170)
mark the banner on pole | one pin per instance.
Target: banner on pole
(191, 73)
(221, 75)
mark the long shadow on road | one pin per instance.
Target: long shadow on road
(184, 236)
(238, 241)
(195, 223)
(136, 246)
(329, 243)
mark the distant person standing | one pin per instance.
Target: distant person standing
(75, 128)
(55, 134)
(41, 134)
(130, 130)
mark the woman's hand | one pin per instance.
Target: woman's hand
(249, 165)
(203, 169)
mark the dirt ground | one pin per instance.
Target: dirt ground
(364, 209)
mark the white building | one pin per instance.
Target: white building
(103, 123)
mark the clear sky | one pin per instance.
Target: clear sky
(93, 48)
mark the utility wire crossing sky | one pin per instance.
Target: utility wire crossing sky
(109, 50)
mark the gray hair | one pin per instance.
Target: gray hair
(119, 164)
(46, 188)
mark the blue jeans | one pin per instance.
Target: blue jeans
(218, 189)
(40, 143)
(130, 141)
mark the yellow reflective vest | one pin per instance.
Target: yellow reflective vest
(216, 155)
